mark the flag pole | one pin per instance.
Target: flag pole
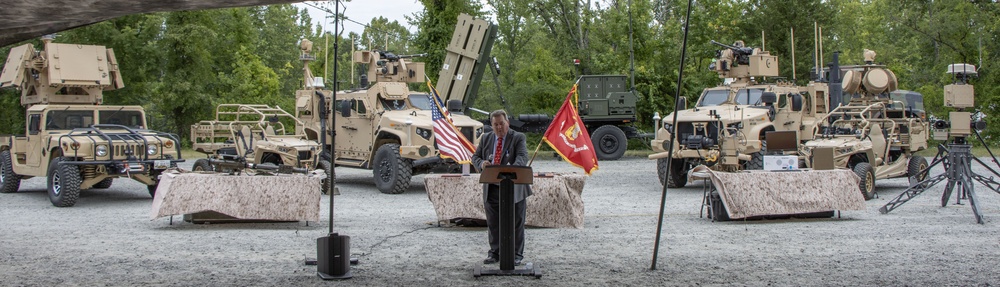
(536, 151)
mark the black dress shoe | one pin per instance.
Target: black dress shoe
(490, 260)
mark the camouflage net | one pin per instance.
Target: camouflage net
(283, 197)
(757, 193)
(556, 201)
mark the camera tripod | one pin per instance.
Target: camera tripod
(957, 160)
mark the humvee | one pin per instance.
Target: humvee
(727, 126)
(254, 137)
(874, 134)
(73, 140)
(384, 126)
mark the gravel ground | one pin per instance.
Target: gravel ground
(108, 239)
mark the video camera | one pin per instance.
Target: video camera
(960, 94)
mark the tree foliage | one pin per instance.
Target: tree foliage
(180, 64)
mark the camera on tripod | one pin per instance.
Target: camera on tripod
(960, 94)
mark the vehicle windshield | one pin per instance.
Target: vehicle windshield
(67, 120)
(749, 96)
(131, 119)
(713, 98)
(394, 105)
(909, 99)
(421, 101)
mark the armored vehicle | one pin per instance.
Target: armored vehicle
(873, 133)
(251, 137)
(727, 126)
(72, 139)
(384, 126)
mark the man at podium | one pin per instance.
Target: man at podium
(502, 147)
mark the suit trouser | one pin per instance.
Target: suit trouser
(492, 207)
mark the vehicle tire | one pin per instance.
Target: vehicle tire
(756, 161)
(63, 183)
(272, 159)
(392, 171)
(328, 169)
(156, 175)
(609, 142)
(9, 181)
(202, 164)
(104, 184)
(678, 175)
(867, 184)
(152, 189)
(914, 166)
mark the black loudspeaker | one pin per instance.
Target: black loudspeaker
(333, 257)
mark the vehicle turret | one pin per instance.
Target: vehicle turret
(741, 63)
(61, 73)
(389, 67)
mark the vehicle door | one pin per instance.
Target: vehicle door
(787, 118)
(32, 145)
(354, 127)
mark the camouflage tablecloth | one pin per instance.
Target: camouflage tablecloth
(279, 197)
(756, 193)
(556, 202)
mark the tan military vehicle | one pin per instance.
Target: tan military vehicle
(873, 134)
(254, 137)
(727, 126)
(71, 139)
(384, 127)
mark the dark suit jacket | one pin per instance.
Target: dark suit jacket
(515, 153)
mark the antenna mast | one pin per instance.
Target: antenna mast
(631, 48)
(793, 53)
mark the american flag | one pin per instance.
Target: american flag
(450, 143)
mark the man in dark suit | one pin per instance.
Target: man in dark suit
(502, 147)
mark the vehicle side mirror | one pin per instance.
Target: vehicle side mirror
(768, 98)
(455, 107)
(345, 108)
(796, 102)
(682, 103)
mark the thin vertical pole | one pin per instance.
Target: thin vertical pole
(673, 135)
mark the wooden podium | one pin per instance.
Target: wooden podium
(507, 176)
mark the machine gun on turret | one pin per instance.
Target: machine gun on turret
(741, 63)
(389, 67)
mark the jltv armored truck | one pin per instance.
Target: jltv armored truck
(727, 126)
(73, 140)
(384, 126)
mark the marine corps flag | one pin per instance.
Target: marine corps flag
(568, 136)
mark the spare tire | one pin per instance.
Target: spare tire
(609, 142)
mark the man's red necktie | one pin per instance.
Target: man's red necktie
(497, 154)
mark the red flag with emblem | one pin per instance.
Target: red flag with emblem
(568, 136)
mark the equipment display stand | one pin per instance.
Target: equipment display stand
(507, 176)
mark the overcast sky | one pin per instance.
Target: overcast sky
(364, 10)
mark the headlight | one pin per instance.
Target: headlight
(668, 126)
(151, 150)
(102, 150)
(424, 133)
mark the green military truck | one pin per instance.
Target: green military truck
(71, 139)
